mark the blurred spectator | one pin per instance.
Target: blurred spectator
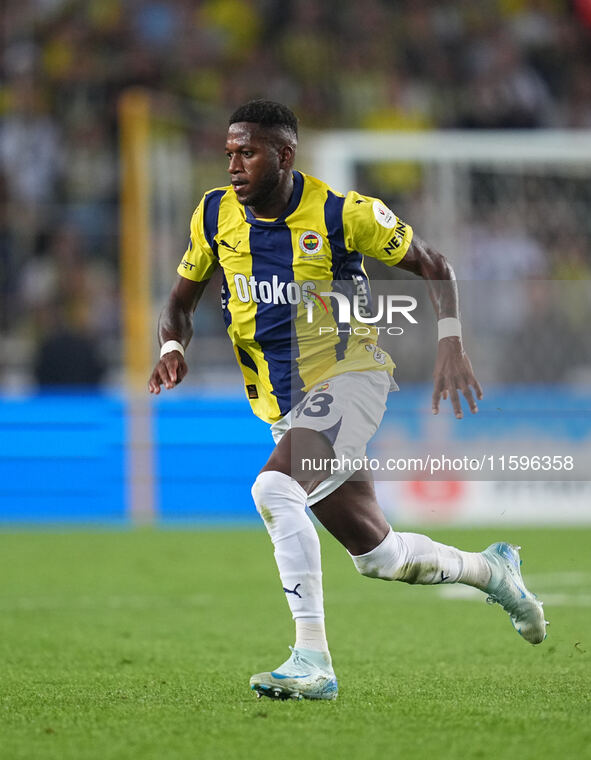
(406, 107)
(583, 11)
(67, 356)
(7, 264)
(575, 109)
(30, 148)
(541, 350)
(90, 182)
(501, 252)
(500, 249)
(505, 92)
(62, 272)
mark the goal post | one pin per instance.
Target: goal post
(335, 153)
(135, 248)
(165, 165)
(136, 299)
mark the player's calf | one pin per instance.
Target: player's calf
(281, 501)
(413, 558)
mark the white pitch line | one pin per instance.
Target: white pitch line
(460, 592)
(560, 578)
(565, 600)
(468, 594)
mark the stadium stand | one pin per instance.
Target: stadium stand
(504, 64)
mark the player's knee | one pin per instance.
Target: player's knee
(274, 492)
(265, 488)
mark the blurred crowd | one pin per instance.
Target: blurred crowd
(381, 64)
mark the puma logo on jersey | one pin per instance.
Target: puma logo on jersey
(232, 247)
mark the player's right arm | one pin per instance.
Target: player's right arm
(176, 323)
(176, 319)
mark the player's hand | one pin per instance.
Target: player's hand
(453, 373)
(169, 371)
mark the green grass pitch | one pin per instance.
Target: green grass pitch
(139, 644)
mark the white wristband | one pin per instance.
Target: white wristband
(172, 345)
(449, 327)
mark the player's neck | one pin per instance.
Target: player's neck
(277, 202)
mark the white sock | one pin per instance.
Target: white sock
(281, 501)
(414, 558)
(310, 634)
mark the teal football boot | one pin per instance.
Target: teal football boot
(305, 675)
(506, 587)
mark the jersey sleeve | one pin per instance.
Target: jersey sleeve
(372, 229)
(199, 261)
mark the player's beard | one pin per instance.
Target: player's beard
(263, 194)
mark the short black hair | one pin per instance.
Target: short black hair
(268, 113)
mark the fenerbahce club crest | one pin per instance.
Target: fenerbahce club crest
(310, 243)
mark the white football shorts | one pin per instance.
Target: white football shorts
(348, 410)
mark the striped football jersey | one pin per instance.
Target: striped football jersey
(277, 277)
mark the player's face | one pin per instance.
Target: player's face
(256, 165)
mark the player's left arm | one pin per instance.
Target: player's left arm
(453, 369)
(373, 229)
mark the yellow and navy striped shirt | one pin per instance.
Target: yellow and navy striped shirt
(276, 274)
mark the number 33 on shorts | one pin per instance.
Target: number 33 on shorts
(315, 405)
(346, 408)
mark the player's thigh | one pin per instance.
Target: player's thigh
(352, 515)
(322, 440)
(347, 409)
(297, 446)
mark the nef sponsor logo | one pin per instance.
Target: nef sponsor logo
(272, 291)
(397, 239)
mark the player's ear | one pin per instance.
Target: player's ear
(286, 156)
